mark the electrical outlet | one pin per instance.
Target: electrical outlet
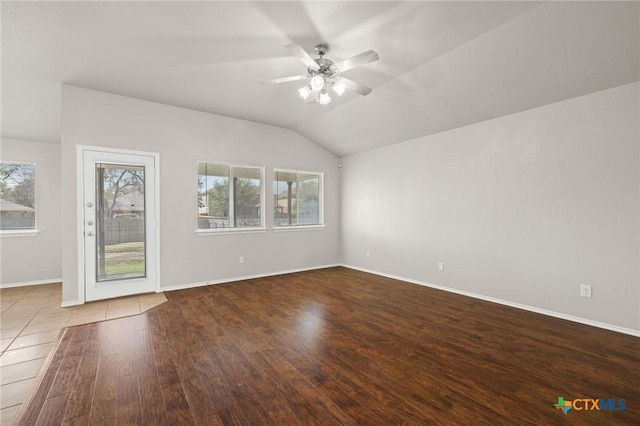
(440, 266)
(367, 254)
(585, 290)
(241, 259)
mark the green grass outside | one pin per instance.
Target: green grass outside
(124, 260)
(132, 267)
(125, 247)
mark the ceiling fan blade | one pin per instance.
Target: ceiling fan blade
(356, 87)
(354, 61)
(285, 79)
(302, 54)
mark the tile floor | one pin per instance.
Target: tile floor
(31, 319)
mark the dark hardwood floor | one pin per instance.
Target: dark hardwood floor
(335, 346)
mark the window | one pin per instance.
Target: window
(297, 198)
(17, 196)
(229, 196)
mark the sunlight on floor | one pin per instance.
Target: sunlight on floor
(30, 323)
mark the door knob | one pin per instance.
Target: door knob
(90, 233)
(90, 223)
(89, 204)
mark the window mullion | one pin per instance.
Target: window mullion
(297, 198)
(232, 198)
(289, 201)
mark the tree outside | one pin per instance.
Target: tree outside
(17, 184)
(17, 196)
(246, 199)
(229, 196)
(120, 246)
(117, 182)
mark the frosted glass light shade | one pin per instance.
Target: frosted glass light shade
(324, 98)
(304, 91)
(339, 88)
(317, 82)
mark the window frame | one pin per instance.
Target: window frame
(25, 232)
(285, 228)
(232, 229)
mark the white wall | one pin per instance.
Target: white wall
(523, 208)
(35, 258)
(182, 137)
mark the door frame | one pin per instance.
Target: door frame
(80, 228)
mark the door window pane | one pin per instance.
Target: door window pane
(120, 222)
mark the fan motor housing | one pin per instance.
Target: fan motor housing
(325, 67)
(322, 49)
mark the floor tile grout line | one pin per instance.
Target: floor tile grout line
(33, 344)
(21, 402)
(13, 340)
(22, 362)
(13, 383)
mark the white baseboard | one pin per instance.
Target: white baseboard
(246, 277)
(585, 321)
(560, 315)
(220, 281)
(28, 283)
(71, 303)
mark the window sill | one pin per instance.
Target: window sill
(19, 233)
(299, 228)
(227, 231)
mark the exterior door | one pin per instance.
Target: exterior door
(119, 220)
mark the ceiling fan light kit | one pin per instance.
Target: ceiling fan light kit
(304, 91)
(323, 74)
(339, 87)
(323, 97)
(317, 82)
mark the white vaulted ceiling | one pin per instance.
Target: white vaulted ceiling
(442, 64)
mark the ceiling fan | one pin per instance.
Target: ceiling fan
(324, 74)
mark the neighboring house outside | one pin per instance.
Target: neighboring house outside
(16, 216)
(305, 213)
(127, 205)
(282, 202)
(124, 219)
